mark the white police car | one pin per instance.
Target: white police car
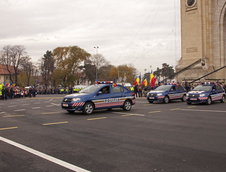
(104, 95)
(206, 93)
(166, 93)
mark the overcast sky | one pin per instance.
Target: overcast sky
(143, 33)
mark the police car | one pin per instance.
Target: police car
(206, 93)
(104, 95)
(166, 93)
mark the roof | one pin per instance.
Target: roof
(4, 71)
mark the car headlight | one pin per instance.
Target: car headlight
(201, 95)
(159, 94)
(76, 99)
(187, 95)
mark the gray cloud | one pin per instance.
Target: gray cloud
(138, 32)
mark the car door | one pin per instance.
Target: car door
(117, 98)
(219, 92)
(172, 92)
(101, 99)
(180, 92)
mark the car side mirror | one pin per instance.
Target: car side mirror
(99, 92)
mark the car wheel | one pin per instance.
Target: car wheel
(184, 98)
(70, 111)
(209, 101)
(127, 106)
(223, 99)
(150, 101)
(188, 103)
(88, 108)
(166, 99)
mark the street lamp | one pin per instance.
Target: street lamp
(96, 47)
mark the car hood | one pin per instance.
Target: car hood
(197, 92)
(156, 91)
(78, 95)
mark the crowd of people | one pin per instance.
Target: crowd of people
(10, 92)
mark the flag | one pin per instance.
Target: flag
(145, 82)
(151, 77)
(137, 81)
(152, 80)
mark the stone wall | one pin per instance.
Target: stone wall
(202, 37)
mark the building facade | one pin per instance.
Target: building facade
(5, 73)
(203, 39)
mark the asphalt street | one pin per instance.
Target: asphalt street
(37, 135)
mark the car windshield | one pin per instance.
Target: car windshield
(90, 89)
(203, 88)
(163, 88)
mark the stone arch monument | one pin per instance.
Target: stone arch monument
(203, 39)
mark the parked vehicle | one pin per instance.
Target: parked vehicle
(166, 93)
(206, 93)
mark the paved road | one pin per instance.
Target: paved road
(36, 135)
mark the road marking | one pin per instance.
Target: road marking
(56, 123)
(154, 112)
(11, 116)
(130, 114)
(197, 110)
(36, 108)
(12, 106)
(175, 109)
(49, 113)
(2, 112)
(92, 119)
(55, 104)
(25, 104)
(18, 110)
(189, 107)
(44, 156)
(50, 105)
(8, 128)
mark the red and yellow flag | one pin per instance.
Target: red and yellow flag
(152, 80)
(145, 82)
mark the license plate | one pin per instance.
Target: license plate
(152, 98)
(193, 98)
(65, 105)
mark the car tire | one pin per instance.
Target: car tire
(88, 108)
(223, 99)
(209, 101)
(183, 98)
(127, 106)
(70, 111)
(189, 103)
(150, 101)
(166, 100)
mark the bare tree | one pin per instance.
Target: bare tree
(11, 57)
(28, 68)
(98, 61)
